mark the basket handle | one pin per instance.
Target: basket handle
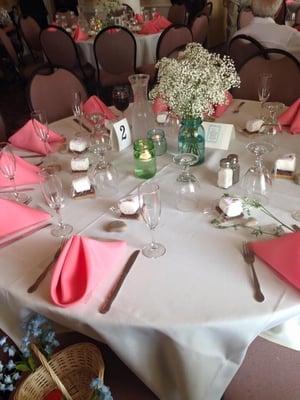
(53, 375)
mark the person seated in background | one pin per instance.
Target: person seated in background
(233, 9)
(264, 29)
(6, 22)
(66, 5)
(35, 9)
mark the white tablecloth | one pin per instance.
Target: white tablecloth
(145, 49)
(182, 322)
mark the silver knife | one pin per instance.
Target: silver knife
(23, 235)
(117, 286)
(18, 190)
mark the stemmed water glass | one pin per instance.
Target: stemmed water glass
(150, 207)
(77, 108)
(264, 87)
(8, 170)
(52, 190)
(120, 98)
(40, 125)
(187, 185)
(257, 182)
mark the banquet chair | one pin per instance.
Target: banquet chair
(53, 93)
(3, 137)
(285, 70)
(279, 17)
(245, 17)
(208, 9)
(269, 372)
(297, 16)
(60, 49)
(177, 14)
(199, 28)
(175, 37)
(30, 30)
(115, 55)
(243, 47)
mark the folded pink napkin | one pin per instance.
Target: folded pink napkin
(155, 25)
(26, 173)
(291, 118)
(221, 108)
(79, 35)
(161, 21)
(27, 139)
(139, 18)
(16, 218)
(83, 265)
(282, 254)
(94, 104)
(159, 106)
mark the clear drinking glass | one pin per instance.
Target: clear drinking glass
(264, 87)
(40, 125)
(77, 108)
(120, 98)
(8, 170)
(150, 207)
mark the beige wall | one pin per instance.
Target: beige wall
(7, 3)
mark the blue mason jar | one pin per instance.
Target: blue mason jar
(191, 138)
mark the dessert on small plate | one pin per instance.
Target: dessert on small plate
(127, 207)
(80, 164)
(285, 166)
(82, 188)
(78, 145)
(230, 207)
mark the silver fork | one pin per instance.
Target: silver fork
(237, 109)
(249, 258)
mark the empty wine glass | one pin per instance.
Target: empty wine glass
(264, 87)
(257, 182)
(52, 190)
(150, 207)
(105, 179)
(8, 170)
(77, 108)
(187, 185)
(100, 144)
(272, 126)
(40, 125)
(120, 98)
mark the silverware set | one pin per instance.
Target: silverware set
(249, 258)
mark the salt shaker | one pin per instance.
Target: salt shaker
(235, 166)
(225, 174)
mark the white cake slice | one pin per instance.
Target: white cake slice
(78, 145)
(231, 206)
(286, 163)
(80, 164)
(81, 184)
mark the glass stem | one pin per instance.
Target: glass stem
(59, 217)
(153, 245)
(16, 194)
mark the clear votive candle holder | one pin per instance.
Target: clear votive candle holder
(159, 139)
(144, 157)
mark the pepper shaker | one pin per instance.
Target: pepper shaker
(235, 166)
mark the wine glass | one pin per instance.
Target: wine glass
(52, 190)
(272, 126)
(120, 98)
(150, 207)
(264, 87)
(106, 179)
(257, 182)
(40, 125)
(101, 143)
(8, 170)
(77, 108)
(187, 185)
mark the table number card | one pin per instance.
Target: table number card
(121, 135)
(218, 135)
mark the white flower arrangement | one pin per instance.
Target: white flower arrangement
(195, 82)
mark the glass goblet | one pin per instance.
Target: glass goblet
(8, 170)
(52, 189)
(150, 207)
(264, 87)
(257, 182)
(101, 143)
(187, 185)
(106, 179)
(40, 125)
(77, 108)
(120, 98)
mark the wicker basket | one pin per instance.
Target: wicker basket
(70, 370)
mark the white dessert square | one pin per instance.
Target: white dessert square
(286, 162)
(231, 206)
(78, 144)
(80, 164)
(82, 184)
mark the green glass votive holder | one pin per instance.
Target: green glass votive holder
(159, 139)
(144, 157)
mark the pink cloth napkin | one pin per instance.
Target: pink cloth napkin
(221, 108)
(26, 138)
(79, 35)
(155, 25)
(159, 106)
(283, 255)
(26, 173)
(291, 118)
(139, 18)
(15, 217)
(94, 104)
(83, 265)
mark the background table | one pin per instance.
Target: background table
(182, 322)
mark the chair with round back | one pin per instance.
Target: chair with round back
(60, 49)
(3, 137)
(199, 28)
(53, 93)
(245, 17)
(115, 55)
(173, 38)
(281, 14)
(31, 33)
(208, 9)
(243, 47)
(285, 70)
(177, 14)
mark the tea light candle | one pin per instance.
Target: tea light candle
(144, 155)
(159, 140)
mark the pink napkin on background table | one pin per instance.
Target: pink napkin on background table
(282, 254)
(291, 118)
(159, 106)
(221, 108)
(16, 218)
(83, 265)
(26, 173)
(155, 25)
(79, 35)
(94, 105)
(26, 138)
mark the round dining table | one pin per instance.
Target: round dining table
(181, 322)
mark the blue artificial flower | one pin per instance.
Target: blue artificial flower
(50, 336)
(7, 379)
(10, 365)
(2, 387)
(3, 340)
(10, 388)
(1, 376)
(100, 389)
(1, 366)
(11, 351)
(96, 383)
(16, 376)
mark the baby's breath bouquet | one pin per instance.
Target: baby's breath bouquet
(108, 7)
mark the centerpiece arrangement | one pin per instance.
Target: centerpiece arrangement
(103, 11)
(192, 85)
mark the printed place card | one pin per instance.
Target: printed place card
(121, 135)
(218, 135)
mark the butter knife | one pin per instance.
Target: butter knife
(104, 308)
(23, 235)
